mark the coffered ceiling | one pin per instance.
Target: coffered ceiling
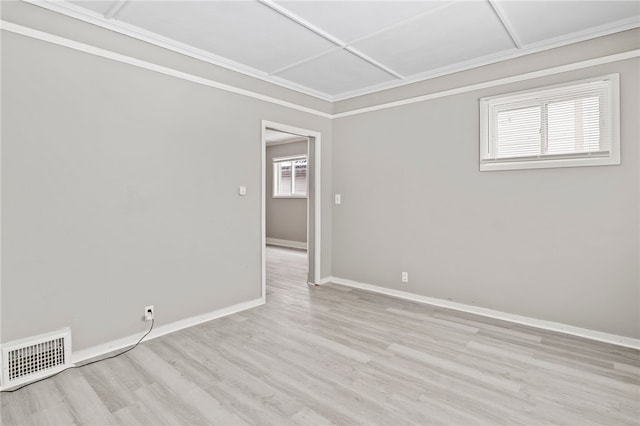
(339, 49)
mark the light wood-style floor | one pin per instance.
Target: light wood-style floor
(332, 355)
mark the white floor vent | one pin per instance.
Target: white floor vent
(30, 359)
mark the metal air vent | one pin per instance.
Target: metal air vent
(26, 360)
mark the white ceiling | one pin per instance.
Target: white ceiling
(339, 49)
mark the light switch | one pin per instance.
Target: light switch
(338, 199)
(242, 190)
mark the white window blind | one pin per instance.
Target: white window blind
(290, 177)
(561, 126)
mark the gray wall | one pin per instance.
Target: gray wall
(120, 189)
(286, 217)
(553, 244)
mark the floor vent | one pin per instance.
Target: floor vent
(30, 359)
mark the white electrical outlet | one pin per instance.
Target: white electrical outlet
(338, 199)
(148, 313)
(405, 277)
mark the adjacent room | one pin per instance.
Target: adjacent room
(320, 212)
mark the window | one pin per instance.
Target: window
(569, 125)
(290, 177)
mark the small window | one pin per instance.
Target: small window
(290, 177)
(570, 125)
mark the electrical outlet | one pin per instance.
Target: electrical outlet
(405, 277)
(148, 313)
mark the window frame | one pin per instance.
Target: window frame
(276, 168)
(488, 115)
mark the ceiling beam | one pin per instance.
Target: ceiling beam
(505, 23)
(318, 31)
(305, 60)
(301, 21)
(373, 62)
(114, 10)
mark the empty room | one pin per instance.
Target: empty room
(274, 212)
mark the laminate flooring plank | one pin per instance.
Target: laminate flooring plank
(446, 396)
(16, 409)
(578, 393)
(187, 362)
(553, 413)
(127, 373)
(323, 386)
(604, 370)
(315, 339)
(458, 368)
(631, 370)
(308, 417)
(113, 393)
(252, 410)
(384, 329)
(248, 382)
(570, 358)
(43, 395)
(431, 411)
(426, 319)
(54, 415)
(504, 332)
(158, 405)
(47, 404)
(314, 394)
(241, 386)
(363, 383)
(196, 403)
(589, 347)
(86, 407)
(125, 416)
(462, 396)
(330, 369)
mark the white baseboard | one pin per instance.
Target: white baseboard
(124, 342)
(324, 280)
(287, 243)
(518, 319)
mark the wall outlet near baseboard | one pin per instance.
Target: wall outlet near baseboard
(148, 313)
(405, 277)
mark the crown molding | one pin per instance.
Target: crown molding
(499, 82)
(118, 57)
(72, 44)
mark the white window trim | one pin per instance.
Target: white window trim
(579, 160)
(276, 160)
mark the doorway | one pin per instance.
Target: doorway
(272, 131)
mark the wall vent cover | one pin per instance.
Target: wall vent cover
(30, 359)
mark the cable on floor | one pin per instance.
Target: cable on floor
(83, 365)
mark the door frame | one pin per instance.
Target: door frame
(313, 232)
